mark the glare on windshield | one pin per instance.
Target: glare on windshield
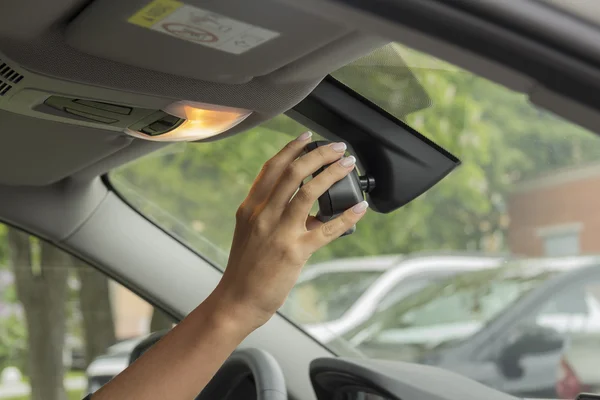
(328, 296)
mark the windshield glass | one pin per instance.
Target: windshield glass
(459, 306)
(328, 296)
(526, 189)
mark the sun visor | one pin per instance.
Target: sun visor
(221, 41)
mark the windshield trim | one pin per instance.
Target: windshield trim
(470, 39)
(329, 79)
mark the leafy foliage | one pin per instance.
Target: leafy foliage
(500, 138)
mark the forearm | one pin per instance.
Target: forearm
(184, 361)
(273, 239)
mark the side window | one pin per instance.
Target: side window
(575, 309)
(65, 328)
(563, 327)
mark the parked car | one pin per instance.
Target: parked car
(504, 327)
(350, 291)
(578, 369)
(74, 353)
(326, 291)
(105, 367)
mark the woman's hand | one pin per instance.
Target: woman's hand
(274, 234)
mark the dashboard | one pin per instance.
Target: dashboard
(254, 374)
(360, 379)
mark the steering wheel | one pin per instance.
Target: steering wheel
(247, 365)
(243, 370)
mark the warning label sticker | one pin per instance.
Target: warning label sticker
(200, 26)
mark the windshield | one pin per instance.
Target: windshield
(461, 305)
(527, 188)
(328, 296)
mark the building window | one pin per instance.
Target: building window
(561, 243)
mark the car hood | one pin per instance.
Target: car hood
(418, 335)
(323, 332)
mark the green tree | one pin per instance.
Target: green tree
(499, 137)
(94, 303)
(13, 346)
(41, 271)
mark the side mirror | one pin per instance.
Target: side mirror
(530, 340)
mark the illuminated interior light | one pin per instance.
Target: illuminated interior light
(200, 121)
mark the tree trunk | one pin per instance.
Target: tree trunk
(96, 311)
(42, 290)
(160, 321)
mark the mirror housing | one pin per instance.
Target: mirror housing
(532, 339)
(403, 163)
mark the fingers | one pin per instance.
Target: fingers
(335, 228)
(303, 167)
(312, 223)
(300, 206)
(271, 171)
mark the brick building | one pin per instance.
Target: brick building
(131, 313)
(556, 214)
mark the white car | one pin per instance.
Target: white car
(344, 280)
(441, 313)
(360, 286)
(105, 367)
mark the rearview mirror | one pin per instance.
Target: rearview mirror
(403, 163)
(529, 341)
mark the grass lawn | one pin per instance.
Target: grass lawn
(70, 374)
(72, 395)
(76, 395)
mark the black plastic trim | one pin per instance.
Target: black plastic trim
(368, 103)
(404, 163)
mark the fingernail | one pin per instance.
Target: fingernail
(348, 161)
(360, 207)
(340, 147)
(305, 136)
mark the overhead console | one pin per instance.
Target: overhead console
(95, 71)
(262, 57)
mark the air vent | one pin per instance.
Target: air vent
(8, 74)
(4, 88)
